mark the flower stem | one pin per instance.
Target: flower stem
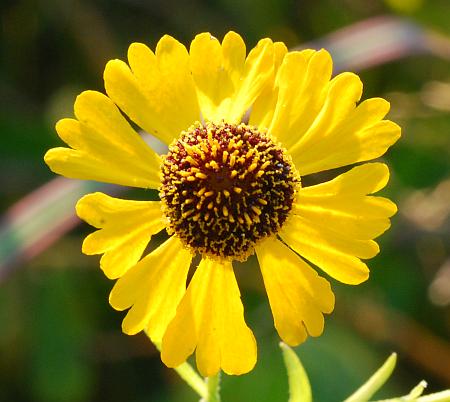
(189, 375)
(213, 389)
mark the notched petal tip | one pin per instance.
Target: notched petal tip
(298, 296)
(210, 318)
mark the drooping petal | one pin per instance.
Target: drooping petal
(125, 230)
(158, 92)
(298, 296)
(104, 146)
(210, 317)
(342, 205)
(227, 84)
(153, 288)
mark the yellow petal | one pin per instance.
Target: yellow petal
(343, 92)
(333, 252)
(153, 288)
(264, 106)
(105, 147)
(227, 83)
(233, 50)
(258, 69)
(298, 296)
(335, 240)
(308, 53)
(213, 82)
(158, 93)
(126, 229)
(360, 180)
(341, 204)
(356, 217)
(303, 79)
(176, 96)
(210, 317)
(353, 135)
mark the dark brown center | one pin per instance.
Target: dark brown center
(224, 187)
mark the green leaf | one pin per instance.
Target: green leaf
(374, 383)
(299, 387)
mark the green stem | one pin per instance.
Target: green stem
(443, 396)
(213, 389)
(190, 376)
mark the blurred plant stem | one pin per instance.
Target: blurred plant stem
(213, 389)
(443, 396)
(192, 378)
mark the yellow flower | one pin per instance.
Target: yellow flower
(228, 189)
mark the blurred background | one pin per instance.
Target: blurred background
(59, 338)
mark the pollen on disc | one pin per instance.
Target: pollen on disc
(225, 187)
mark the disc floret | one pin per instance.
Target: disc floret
(224, 187)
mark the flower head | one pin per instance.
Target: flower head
(242, 131)
(225, 187)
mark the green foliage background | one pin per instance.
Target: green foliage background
(60, 340)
